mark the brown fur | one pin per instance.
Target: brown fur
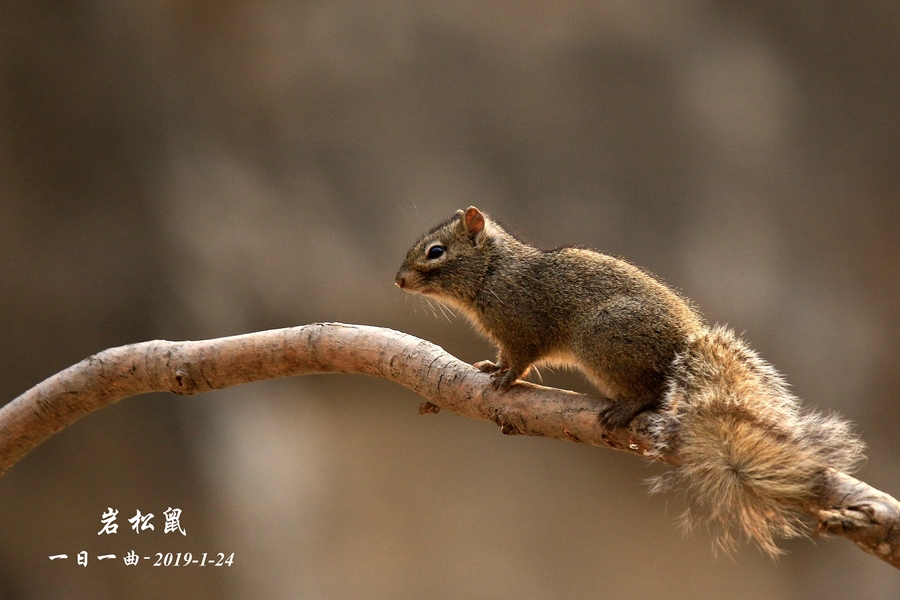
(749, 456)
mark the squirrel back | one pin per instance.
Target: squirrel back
(749, 456)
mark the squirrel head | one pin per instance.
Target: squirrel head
(450, 261)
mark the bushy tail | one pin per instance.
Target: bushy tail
(750, 457)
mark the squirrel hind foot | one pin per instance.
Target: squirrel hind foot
(621, 412)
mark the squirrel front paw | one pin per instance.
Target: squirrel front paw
(487, 366)
(502, 377)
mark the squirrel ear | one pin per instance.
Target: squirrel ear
(474, 221)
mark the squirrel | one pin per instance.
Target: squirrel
(748, 455)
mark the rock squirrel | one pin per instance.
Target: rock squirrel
(749, 456)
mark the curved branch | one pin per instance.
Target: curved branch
(846, 506)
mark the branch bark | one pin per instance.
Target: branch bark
(845, 507)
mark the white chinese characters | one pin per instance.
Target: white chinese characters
(142, 522)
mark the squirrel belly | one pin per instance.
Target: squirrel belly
(749, 457)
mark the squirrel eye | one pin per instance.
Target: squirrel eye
(434, 252)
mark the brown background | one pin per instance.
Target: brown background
(184, 170)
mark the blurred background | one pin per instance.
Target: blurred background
(185, 170)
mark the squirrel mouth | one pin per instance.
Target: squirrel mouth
(414, 287)
(413, 282)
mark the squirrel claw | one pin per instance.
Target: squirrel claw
(619, 415)
(503, 379)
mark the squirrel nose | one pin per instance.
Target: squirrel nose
(400, 281)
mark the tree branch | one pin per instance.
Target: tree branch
(845, 507)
